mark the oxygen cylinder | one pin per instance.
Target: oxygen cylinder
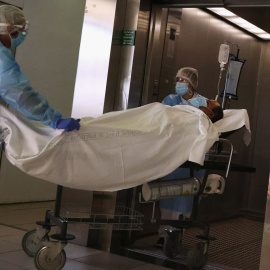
(162, 189)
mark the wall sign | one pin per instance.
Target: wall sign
(124, 37)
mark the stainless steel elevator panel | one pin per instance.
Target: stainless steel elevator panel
(170, 61)
(162, 54)
(154, 54)
(137, 77)
(94, 57)
(264, 264)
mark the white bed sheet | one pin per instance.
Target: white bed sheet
(233, 120)
(115, 151)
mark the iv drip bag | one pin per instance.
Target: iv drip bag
(223, 56)
(232, 77)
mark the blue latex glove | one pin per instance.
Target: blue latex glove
(68, 124)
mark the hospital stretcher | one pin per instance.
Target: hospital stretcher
(51, 255)
(197, 256)
(37, 243)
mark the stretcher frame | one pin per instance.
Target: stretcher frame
(37, 242)
(197, 257)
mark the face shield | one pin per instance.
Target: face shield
(16, 28)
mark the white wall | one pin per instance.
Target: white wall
(95, 50)
(49, 58)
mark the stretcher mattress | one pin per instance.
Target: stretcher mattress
(115, 151)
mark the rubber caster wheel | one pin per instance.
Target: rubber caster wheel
(172, 244)
(196, 259)
(42, 262)
(28, 245)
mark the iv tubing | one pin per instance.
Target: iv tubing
(219, 79)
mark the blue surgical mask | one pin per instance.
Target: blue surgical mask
(15, 42)
(198, 102)
(181, 88)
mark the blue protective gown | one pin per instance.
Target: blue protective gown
(181, 204)
(16, 90)
(175, 99)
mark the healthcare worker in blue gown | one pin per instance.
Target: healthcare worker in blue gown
(15, 88)
(171, 208)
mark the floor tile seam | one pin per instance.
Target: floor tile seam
(15, 224)
(9, 242)
(25, 224)
(14, 227)
(17, 265)
(160, 255)
(23, 209)
(75, 260)
(78, 260)
(143, 264)
(9, 252)
(86, 256)
(13, 205)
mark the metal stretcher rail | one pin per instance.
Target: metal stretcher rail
(219, 165)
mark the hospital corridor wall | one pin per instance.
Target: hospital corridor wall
(49, 58)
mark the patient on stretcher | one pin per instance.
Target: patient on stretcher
(135, 146)
(213, 110)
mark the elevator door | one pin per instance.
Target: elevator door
(163, 41)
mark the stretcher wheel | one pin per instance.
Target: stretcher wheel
(42, 262)
(197, 258)
(28, 244)
(172, 244)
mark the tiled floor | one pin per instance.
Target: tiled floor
(16, 219)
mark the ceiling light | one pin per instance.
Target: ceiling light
(226, 14)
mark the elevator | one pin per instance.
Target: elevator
(175, 34)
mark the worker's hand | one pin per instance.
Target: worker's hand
(68, 124)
